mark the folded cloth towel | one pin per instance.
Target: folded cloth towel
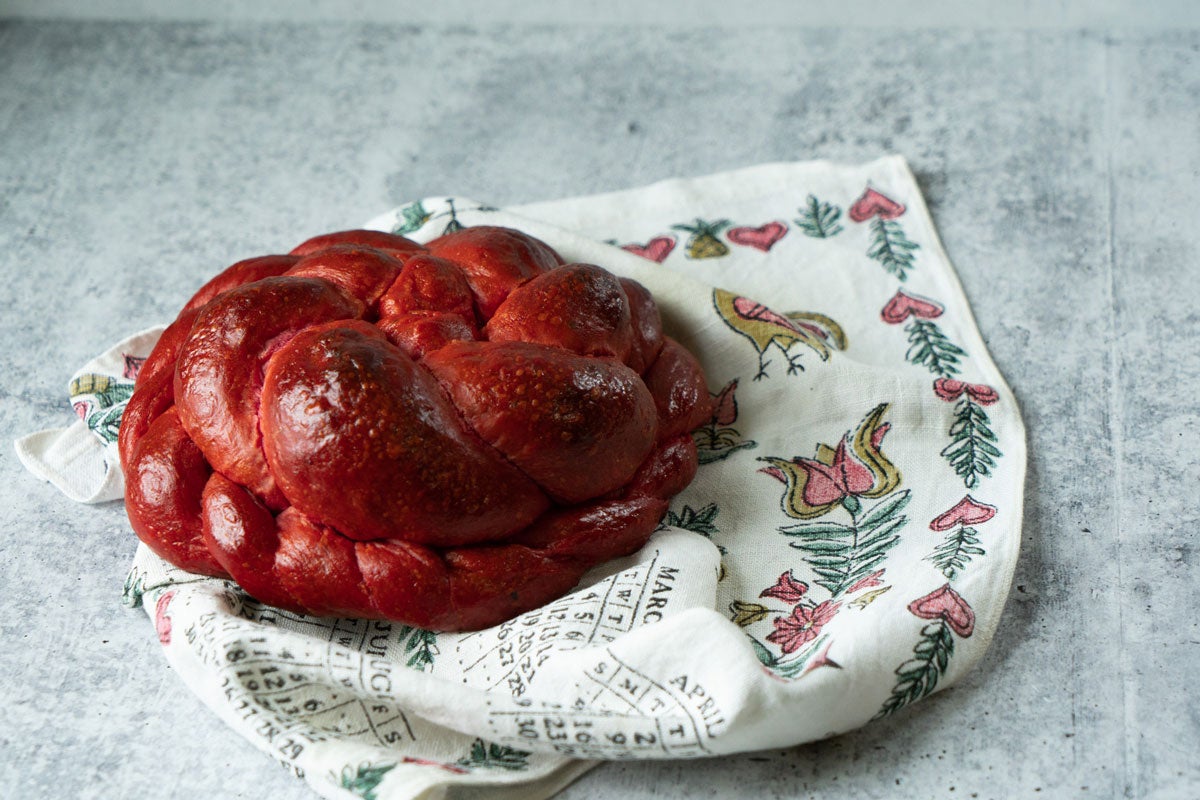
(845, 550)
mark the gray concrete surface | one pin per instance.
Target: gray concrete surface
(887, 14)
(1061, 166)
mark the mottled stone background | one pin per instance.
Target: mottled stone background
(1062, 166)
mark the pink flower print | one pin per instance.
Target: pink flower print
(950, 390)
(81, 407)
(948, 605)
(162, 622)
(868, 582)
(802, 626)
(787, 589)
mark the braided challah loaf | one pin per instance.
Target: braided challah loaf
(446, 435)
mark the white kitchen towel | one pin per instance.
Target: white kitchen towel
(845, 550)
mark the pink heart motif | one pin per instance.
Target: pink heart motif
(874, 204)
(950, 390)
(657, 249)
(763, 237)
(162, 622)
(967, 511)
(903, 305)
(946, 604)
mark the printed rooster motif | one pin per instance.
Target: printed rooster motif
(767, 328)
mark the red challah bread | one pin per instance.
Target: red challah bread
(444, 435)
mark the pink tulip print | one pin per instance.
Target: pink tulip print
(845, 477)
(719, 439)
(856, 468)
(787, 589)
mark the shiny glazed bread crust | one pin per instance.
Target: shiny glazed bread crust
(446, 435)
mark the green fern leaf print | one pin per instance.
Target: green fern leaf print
(487, 755)
(928, 347)
(364, 779)
(891, 248)
(819, 220)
